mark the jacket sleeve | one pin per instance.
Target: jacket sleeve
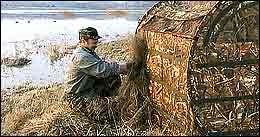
(98, 68)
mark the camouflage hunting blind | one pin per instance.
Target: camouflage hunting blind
(203, 63)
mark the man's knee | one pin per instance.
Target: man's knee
(114, 81)
(111, 86)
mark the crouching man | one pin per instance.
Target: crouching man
(90, 80)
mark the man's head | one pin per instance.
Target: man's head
(89, 37)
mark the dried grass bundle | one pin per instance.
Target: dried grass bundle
(135, 89)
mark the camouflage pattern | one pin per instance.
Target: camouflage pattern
(89, 77)
(89, 32)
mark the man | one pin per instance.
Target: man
(88, 77)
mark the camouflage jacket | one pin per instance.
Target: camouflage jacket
(85, 67)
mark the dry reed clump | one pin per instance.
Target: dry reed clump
(53, 53)
(56, 52)
(15, 61)
(22, 107)
(135, 87)
(137, 111)
(116, 50)
(42, 112)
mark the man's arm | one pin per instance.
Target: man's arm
(99, 68)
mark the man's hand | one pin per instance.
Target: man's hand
(109, 60)
(125, 67)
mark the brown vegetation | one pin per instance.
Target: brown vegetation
(42, 112)
(15, 61)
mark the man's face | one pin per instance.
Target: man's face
(90, 43)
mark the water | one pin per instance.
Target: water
(31, 39)
(61, 30)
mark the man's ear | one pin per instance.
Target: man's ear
(82, 40)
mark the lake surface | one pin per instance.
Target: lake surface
(28, 33)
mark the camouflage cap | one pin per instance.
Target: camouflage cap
(89, 32)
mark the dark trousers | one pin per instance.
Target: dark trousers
(108, 87)
(104, 105)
